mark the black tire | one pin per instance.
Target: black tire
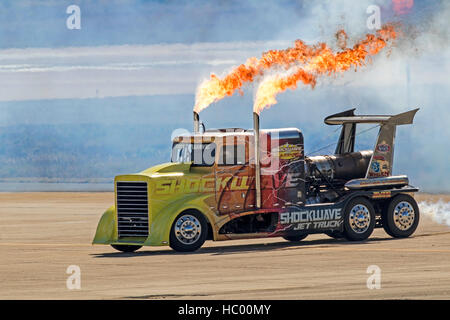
(125, 248)
(401, 226)
(360, 229)
(179, 240)
(335, 234)
(295, 238)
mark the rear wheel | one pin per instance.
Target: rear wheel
(125, 248)
(295, 238)
(188, 232)
(401, 217)
(359, 219)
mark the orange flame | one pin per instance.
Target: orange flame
(323, 61)
(216, 89)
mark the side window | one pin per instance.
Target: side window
(231, 155)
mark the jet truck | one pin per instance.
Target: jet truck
(234, 183)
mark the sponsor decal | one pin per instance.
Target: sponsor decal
(382, 182)
(375, 166)
(383, 148)
(380, 168)
(313, 219)
(193, 185)
(381, 194)
(379, 157)
(288, 151)
(317, 225)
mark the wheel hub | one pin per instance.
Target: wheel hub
(359, 218)
(188, 229)
(404, 215)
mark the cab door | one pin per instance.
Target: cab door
(233, 176)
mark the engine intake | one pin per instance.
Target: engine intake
(338, 167)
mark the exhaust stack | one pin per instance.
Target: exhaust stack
(257, 159)
(196, 122)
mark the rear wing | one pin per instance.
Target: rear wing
(383, 154)
(349, 117)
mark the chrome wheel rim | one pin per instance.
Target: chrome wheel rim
(188, 229)
(404, 215)
(359, 218)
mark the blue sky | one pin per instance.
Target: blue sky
(41, 23)
(70, 100)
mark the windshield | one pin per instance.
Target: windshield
(201, 154)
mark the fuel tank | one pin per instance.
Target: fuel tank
(340, 166)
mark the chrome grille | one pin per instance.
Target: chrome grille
(132, 209)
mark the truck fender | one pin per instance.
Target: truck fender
(106, 228)
(162, 223)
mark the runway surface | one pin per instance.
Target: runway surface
(42, 234)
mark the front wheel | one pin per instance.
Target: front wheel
(359, 219)
(401, 217)
(295, 238)
(125, 248)
(188, 232)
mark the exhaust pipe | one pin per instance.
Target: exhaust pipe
(257, 160)
(196, 122)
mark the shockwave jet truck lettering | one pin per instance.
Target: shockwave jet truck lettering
(238, 184)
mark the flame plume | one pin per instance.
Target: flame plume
(303, 63)
(216, 89)
(322, 62)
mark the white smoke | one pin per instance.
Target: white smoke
(439, 211)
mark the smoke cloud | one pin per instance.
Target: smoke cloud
(438, 211)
